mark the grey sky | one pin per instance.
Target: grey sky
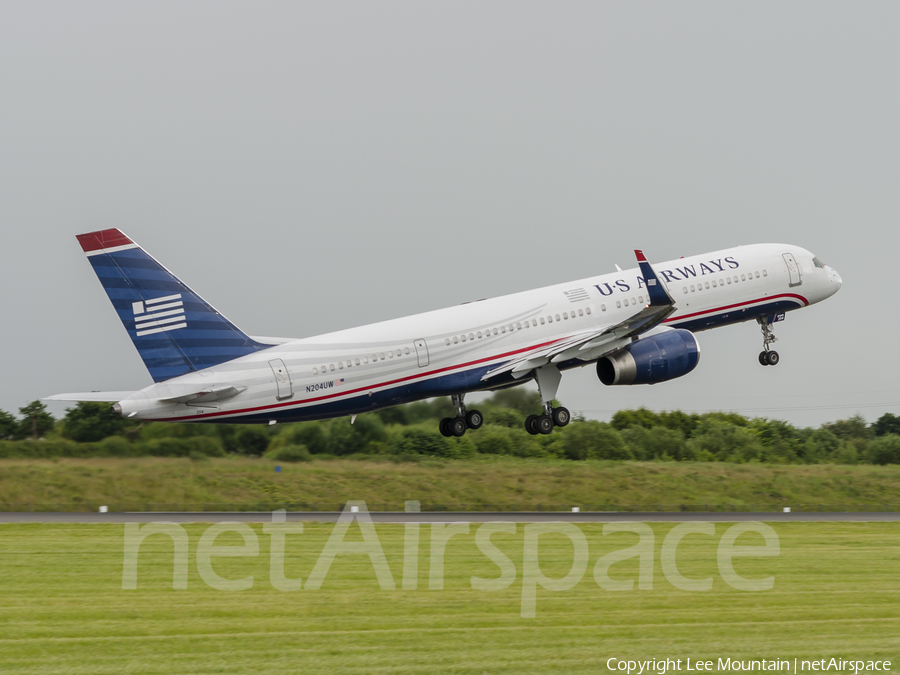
(311, 166)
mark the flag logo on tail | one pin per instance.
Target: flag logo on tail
(159, 315)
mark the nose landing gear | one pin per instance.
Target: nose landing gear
(767, 357)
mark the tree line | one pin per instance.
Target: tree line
(411, 431)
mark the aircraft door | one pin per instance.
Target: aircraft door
(282, 379)
(793, 269)
(422, 352)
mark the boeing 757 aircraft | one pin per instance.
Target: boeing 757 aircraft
(637, 326)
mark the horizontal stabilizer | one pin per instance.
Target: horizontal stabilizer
(92, 396)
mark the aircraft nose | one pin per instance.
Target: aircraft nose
(835, 279)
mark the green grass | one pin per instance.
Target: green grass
(63, 610)
(488, 481)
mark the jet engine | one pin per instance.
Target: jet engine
(648, 360)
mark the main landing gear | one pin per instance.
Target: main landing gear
(767, 357)
(548, 378)
(465, 419)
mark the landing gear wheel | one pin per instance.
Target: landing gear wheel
(561, 417)
(544, 424)
(764, 358)
(444, 427)
(474, 419)
(531, 425)
(772, 358)
(456, 426)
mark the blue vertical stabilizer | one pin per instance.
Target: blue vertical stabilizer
(174, 330)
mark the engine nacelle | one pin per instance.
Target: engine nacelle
(653, 359)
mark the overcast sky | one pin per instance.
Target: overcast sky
(313, 166)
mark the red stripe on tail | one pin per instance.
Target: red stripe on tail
(94, 241)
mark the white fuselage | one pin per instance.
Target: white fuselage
(448, 351)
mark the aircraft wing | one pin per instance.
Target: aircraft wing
(591, 344)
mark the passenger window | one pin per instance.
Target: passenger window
(714, 283)
(455, 340)
(765, 273)
(685, 290)
(735, 278)
(390, 355)
(542, 321)
(331, 366)
(349, 364)
(757, 275)
(471, 336)
(518, 325)
(557, 317)
(510, 328)
(340, 365)
(618, 304)
(566, 316)
(479, 335)
(447, 341)
(407, 350)
(357, 361)
(463, 338)
(381, 356)
(580, 312)
(366, 358)
(495, 331)
(692, 288)
(502, 329)
(549, 319)
(588, 310)
(728, 280)
(534, 322)
(625, 302)
(743, 278)
(707, 285)
(315, 371)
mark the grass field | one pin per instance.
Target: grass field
(63, 610)
(521, 483)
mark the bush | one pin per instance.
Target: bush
(504, 417)
(251, 441)
(885, 450)
(657, 443)
(416, 441)
(291, 453)
(725, 442)
(90, 421)
(593, 440)
(114, 446)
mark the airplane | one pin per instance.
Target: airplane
(636, 326)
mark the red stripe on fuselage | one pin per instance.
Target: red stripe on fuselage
(445, 369)
(681, 317)
(361, 389)
(95, 241)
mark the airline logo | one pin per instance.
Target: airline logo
(159, 315)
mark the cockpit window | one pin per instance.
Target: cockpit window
(818, 263)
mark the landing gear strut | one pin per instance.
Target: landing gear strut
(465, 419)
(767, 357)
(548, 378)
